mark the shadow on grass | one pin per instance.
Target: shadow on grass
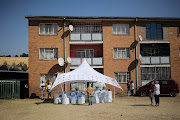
(141, 105)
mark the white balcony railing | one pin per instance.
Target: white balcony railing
(86, 36)
(155, 60)
(90, 61)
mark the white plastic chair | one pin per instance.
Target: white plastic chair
(57, 100)
(102, 96)
(73, 98)
(96, 97)
(81, 99)
(108, 97)
(65, 100)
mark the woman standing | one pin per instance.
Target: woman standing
(156, 92)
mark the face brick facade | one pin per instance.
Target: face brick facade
(111, 65)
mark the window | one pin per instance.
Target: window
(85, 53)
(121, 29)
(122, 76)
(179, 29)
(150, 52)
(121, 53)
(179, 52)
(164, 82)
(46, 77)
(48, 53)
(48, 29)
(153, 31)
(150, 73)
(87, 27)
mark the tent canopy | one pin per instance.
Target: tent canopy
(84, 73)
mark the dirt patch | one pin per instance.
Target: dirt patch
(125, 107)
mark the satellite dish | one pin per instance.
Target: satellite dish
(69, 60)
(71, 27)
(140, 37)
(61, 61)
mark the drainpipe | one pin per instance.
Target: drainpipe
(64, 34)
(135, 40)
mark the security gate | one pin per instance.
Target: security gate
(9, 89)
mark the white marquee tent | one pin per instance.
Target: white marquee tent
(84, 73)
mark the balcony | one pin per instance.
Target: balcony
(86, 37)
(91, 61)
(151, 60)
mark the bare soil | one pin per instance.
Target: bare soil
(125, 108)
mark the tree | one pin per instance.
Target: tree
(2, 56)
(24, 67)
(24, 55)
(4, 67)
(8, 55)
(16, 56)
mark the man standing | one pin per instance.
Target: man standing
(48, 87)
(90, 91)
(132, 88)
(42, 87)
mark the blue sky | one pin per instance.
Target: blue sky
(14, 27)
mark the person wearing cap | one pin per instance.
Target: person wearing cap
(90, 91)
(156, 92)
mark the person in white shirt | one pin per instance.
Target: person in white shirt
(156, 92)
(132, 88)
(42, 87)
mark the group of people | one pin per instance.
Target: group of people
(45, 86)
(155, 91)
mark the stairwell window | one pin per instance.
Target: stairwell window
(154, 31)
(120, 29)
(122, 77)
(121, 53)
(48, 29)
(48, 53)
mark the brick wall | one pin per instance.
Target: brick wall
(36, 41)
(111, 41)
(174, 51)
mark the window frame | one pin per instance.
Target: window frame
(128, 76)
(54, 58)
(121, 52)
(45, 27)
(157, 33)
(85, 52)
(120, 25)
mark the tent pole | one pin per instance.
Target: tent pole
(114, 94)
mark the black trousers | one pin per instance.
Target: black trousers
(132, 92)
(156, 99)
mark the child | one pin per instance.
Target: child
(151, 96)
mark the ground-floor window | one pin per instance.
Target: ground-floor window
(46, 77)
(150, 73)
(122, 76)
(78, 86)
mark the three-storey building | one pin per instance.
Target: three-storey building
(127, 48)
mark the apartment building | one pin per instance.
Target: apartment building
(126, 48)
